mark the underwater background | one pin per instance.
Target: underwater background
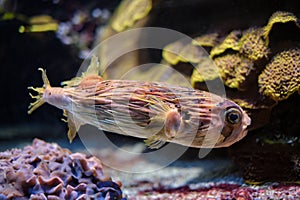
(57, 35)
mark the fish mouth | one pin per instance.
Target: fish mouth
(243, 130)
(246, 119)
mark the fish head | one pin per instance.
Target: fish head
(213, 122)
(234, 123)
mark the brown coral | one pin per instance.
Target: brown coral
(241, 56)
(253, 45)
(46, 171)
(230, 42)
(234, 69)
(278, 17)
(281, 77)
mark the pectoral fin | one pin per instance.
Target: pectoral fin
(173, 123)
(168, 114)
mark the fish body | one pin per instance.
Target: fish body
(155, 111)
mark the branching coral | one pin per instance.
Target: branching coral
(281, 77)
(46, 171)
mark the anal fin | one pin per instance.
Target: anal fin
(154, 142)
(73, 125)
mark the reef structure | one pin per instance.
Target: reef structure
(47, 171)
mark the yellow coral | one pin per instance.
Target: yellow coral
(234, 69)
(250, 103)
(181, 52)
(204, 71)
(207, 40)
(278, 17)
(281, 77)
(129, 12)
(230, 42)
(171, 52)
(191, 53)
(253, 45)
(40, 23)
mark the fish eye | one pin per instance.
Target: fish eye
(233, 115)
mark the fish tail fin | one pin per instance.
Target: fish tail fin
(92, 73)
(40, 91)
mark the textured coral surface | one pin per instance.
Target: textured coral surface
(266, 52)
(46, 171)
(281, 77)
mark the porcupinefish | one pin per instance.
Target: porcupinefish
(157, 112)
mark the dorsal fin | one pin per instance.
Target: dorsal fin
(91, 74)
